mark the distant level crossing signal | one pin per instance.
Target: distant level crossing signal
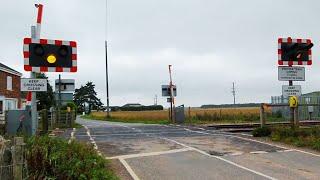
(294, 51)
(44, 55)
(166, 90)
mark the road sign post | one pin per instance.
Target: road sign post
(44, 55)
(293, 52)
(169, 91)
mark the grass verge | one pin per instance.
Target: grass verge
(55, 158)
(144, 121)
(160, 117)
(300, 137)
(77, 126)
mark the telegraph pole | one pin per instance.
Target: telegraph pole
(234, 94)
(107, 75)
(107, 80)
(155, 100)
(172, 106)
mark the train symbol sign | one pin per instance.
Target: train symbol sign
(293, 101)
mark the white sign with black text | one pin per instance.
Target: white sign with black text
(34, 85)
(286, 73)
(294, 90)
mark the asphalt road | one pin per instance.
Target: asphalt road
(181, 152)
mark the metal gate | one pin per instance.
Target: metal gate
(306, 112)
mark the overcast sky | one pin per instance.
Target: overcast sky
(210, 43)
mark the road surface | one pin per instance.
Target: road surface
(182, 152)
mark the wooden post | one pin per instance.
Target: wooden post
(262, 117)
(67, 123)
(18, 158)
(189, 115)
(44, 119)
(292, 117)
(296, 117)
(169, 115)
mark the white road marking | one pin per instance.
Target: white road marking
(235, 154)
(134, 134)
(258, 152)
(150, 154)
(220, 158)
(72, 135)
(225, 134)
(129, 169)
(287, 150)
(91, 139)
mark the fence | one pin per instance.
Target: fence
(12, 159)
(306, 112)
(56, 119)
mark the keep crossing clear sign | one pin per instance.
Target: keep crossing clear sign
(291, 73)
(294, 90)
(34, 85)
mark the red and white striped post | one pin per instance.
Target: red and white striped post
(35, 34)
(39, 20)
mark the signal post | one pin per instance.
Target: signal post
(293, 52)
(45, 55)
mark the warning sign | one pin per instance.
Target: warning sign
(294, 90)
(34, 85)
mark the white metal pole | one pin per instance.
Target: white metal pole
(34, 118)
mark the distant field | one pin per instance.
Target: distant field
(194, 115)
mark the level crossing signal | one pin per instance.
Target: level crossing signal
(294, 51)
(43, 55)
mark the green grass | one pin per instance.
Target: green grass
(55, 158)
(77, 126)
(300, 137)
(144, 121)
(89, 116)
(230, 121)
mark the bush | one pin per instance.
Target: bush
(261, 131)
(54, 158)
(72, 105)
(301, 137)
(141, 108)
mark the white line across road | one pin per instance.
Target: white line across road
(150, 154)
